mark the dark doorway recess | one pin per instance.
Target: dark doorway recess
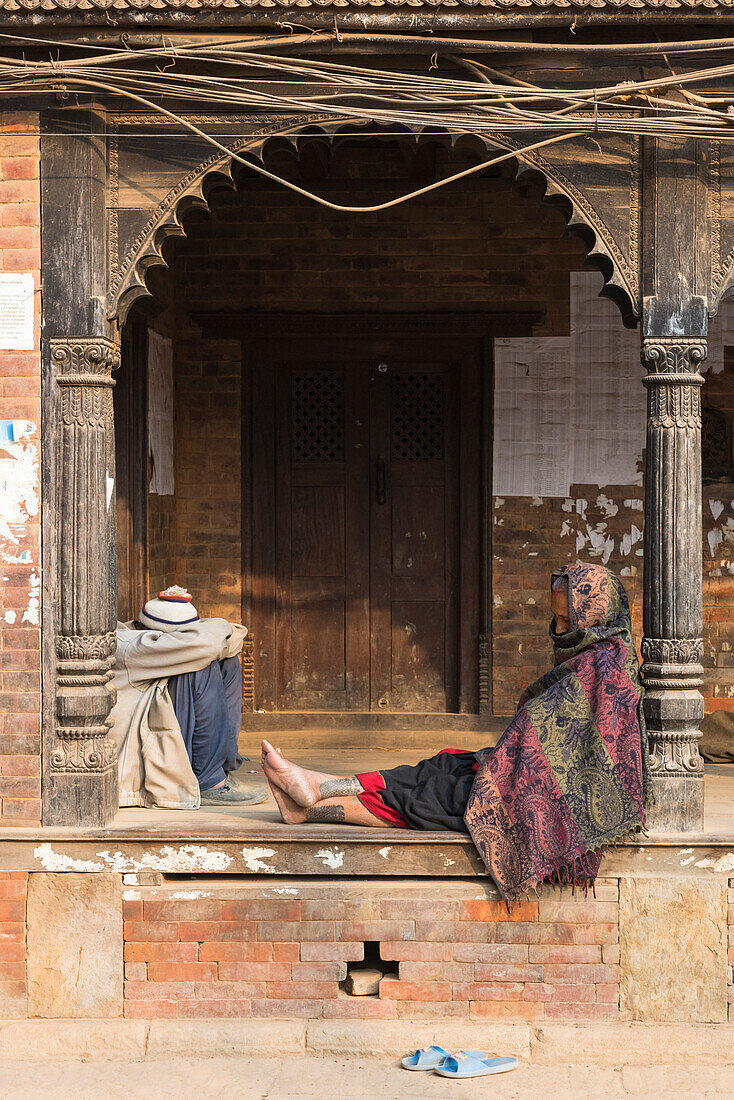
(367, 512)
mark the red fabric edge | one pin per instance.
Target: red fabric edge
(373, 783)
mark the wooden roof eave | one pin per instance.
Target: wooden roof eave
(410, 17)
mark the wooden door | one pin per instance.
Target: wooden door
(414, 533)
(357, 508)
(322, 536)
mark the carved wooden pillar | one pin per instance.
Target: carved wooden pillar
(673, 617)
(83, 766)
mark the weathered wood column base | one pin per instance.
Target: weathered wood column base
(673, 717)
(678, 806)
(89, 800)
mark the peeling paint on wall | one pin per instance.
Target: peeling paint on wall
(330, 857)
(715, 539)
(18, 488)
(58, 861)
(185, 859)
(608, 507)
(629, 540)
(32, 611)
(254, 857)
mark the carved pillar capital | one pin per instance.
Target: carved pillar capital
(673, 355)
(673, 381)
(85, 360)
(673, 620)
(82, 759)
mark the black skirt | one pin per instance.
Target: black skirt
(429, 795)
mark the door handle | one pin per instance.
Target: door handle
(381, 493)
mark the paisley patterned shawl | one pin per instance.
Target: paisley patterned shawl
(569, 774)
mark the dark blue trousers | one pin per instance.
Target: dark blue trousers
(208, 706)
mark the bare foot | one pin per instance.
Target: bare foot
(291, 813)
(300, 784)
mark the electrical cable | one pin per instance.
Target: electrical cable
(494, 102)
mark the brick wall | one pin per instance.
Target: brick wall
(531, 538)
(13, 892)
(249, 949)
(209, 473)
(20, 402)
(479, 245)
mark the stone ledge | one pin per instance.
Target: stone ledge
(551, 1044)
(324, 851)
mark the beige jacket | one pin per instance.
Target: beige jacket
(153, 764)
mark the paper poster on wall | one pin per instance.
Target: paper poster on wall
(160, 413)
(533, 391)
(720, 336)
(570, 410)
(16, 311)
(610, 403)
(19, 489)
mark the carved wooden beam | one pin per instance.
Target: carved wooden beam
(83, 765)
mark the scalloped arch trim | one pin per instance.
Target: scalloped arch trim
(128, 283)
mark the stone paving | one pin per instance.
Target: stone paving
(310, 1078)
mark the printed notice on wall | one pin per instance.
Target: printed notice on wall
(569, 410)
(533, 391)
(16, 311)
(160, 413)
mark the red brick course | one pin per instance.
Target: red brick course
(13, 891)
(198, 957)
(20, 400)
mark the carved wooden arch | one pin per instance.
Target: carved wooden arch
(620, 271)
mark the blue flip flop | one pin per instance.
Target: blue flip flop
(430, 1058)
(465, 1064)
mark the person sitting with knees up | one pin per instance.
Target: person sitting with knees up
(179, 703)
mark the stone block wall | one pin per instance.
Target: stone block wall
(20, 528)
(730, 974)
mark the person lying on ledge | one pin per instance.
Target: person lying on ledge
(567, 777)
(179, 704)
